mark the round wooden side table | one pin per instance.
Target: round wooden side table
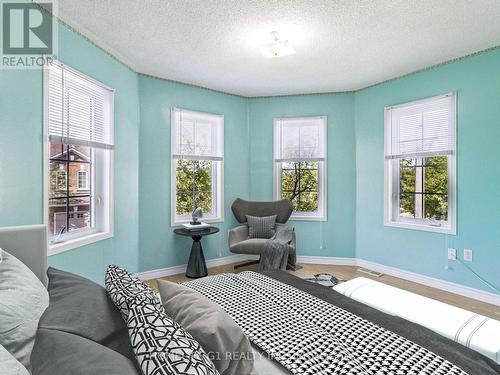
(196, 266)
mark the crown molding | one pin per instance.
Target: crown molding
(113, 53)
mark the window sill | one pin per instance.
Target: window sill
(421, 227)
(308, 218)
(78, 242)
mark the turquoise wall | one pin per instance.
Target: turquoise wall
(159, 247)
(335, 237)
(477, 83)
(21, 162)
(20, 147)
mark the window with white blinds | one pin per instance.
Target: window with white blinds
(197, 135)
(78, 158)
(420, 152)
(197, 148)
(300, 154)
(80, 109)
(421, 129)
(300, 139)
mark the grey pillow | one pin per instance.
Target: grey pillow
(216, 332)
(62, 353)
(82, 307)
(261, 227)
(23, 299)
(10, 365)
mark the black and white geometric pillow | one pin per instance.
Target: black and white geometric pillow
(126, 289)
(163, 347)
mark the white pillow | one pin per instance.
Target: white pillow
(475, 331)
(10, 365)
(23, 299)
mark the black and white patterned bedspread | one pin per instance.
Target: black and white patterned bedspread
(310, 336)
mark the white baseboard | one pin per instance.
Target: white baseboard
(175, 270)
(337, 261)
(447, 286)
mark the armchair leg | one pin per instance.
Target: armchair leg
(295, 267)
(252, 262)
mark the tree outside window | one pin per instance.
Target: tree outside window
(194, 186)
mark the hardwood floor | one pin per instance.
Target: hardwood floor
(350, 272)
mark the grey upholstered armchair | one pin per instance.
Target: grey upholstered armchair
(239, 243)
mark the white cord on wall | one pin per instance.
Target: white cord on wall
(479, 277)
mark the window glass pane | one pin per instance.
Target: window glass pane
(436, 207)
(58, 179)
(204, 200)
(184, 204)
(194, 186)
(69, 172)
(57, 150)
(184, 176)
(436, 175)
(300, 184)
(437, 161)
(407, 175)
(202, 176)
(309, 179)
(424, 188)
(82, 180)
(57, 215)
(288, 179)
(79, 153)
(410, 187)
(407, 205)
(79, 213)
(78, 178)
(293, 198)
(308, 202)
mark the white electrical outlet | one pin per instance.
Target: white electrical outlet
(468, 255)
(452, 254)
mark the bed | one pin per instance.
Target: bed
(290, 294)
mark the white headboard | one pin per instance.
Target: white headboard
(28, 243)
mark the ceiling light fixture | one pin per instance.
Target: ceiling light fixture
(278, 48)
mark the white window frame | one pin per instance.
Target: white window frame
(86, 186)
(103, 183)
(217, 179)
(391, 181)
(322, 213)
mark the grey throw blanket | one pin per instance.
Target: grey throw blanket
(275, 253)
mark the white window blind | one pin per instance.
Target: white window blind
(422, 129)
(80, 110)
(300, 139)
(197, 135)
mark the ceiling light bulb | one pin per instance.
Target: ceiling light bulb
(278, 48)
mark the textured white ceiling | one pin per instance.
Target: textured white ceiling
(341, 45)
